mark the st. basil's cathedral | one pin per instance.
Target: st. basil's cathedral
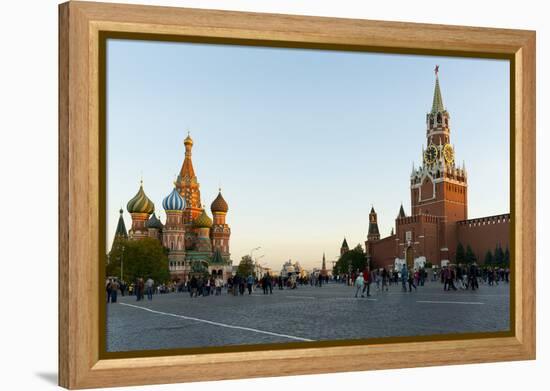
(195, 242)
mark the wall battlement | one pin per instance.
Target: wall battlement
(424, 218)
(496, 219)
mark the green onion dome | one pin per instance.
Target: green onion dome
(140, 203)
(219, 204)
(154, 222)
(203, 221)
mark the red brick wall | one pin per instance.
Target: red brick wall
(450, 201)
(425, 236)
(455, 201)
(483, 234)
(383, 252)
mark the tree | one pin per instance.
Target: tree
(141, 258)
(470, 257)
(507, 257)
(488, 258)
(354, 259)
(499, 256)
(460, 256)
(246, 266)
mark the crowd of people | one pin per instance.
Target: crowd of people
(452, 278)
(201, 285)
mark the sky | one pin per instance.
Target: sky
(302, 142)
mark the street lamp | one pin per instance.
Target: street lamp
(254, 249)
(122, 265)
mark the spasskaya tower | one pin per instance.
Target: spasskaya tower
(438, 187)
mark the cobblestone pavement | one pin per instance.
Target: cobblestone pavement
(304, 314)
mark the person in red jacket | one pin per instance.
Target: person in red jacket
(366, 284)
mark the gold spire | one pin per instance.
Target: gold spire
(188, 140)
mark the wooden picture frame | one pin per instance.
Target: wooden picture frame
(81, 167)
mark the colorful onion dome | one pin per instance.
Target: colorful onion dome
(173, 201)
(154, 222)
(219, 204)
(202, 221)
(140, 203)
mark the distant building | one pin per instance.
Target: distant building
(324, 272)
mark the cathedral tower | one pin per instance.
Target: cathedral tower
(154, 226)
(120, 234)
(140, 208)
(439, 187)
(220, 231)
(203, 224)
(173, 233)
(188, 186)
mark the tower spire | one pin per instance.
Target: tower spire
(374, 233)
(401, 212)
(187, 183)
(437, 105)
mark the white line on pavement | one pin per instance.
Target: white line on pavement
(351, 298)
(448, 302)
(301, 297)
(217, 323)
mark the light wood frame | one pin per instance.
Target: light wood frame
(80, 24)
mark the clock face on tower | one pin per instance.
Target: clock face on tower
(448, 154)
(430, 154)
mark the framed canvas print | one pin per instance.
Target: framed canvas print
(321, 194)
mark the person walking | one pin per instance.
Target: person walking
(193, 285)
(449, 277)
(359, 282)
(114, 291)
(241, 285)
(472, 277)
(411, 281)
(404, 277)
(109, 289)
(249, 283)
(149, 286)
(218, 283)
(367, 276)
(138, 289)
(264, 284)
(377, 278)
(385, 278)
(269, 284)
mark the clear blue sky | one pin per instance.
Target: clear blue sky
(302, 142)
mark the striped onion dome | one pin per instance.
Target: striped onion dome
(219, 204)
(154, 222)
(140, 203)
(202, 221)
(173, 201)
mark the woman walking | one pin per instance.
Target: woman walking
(359, 282)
